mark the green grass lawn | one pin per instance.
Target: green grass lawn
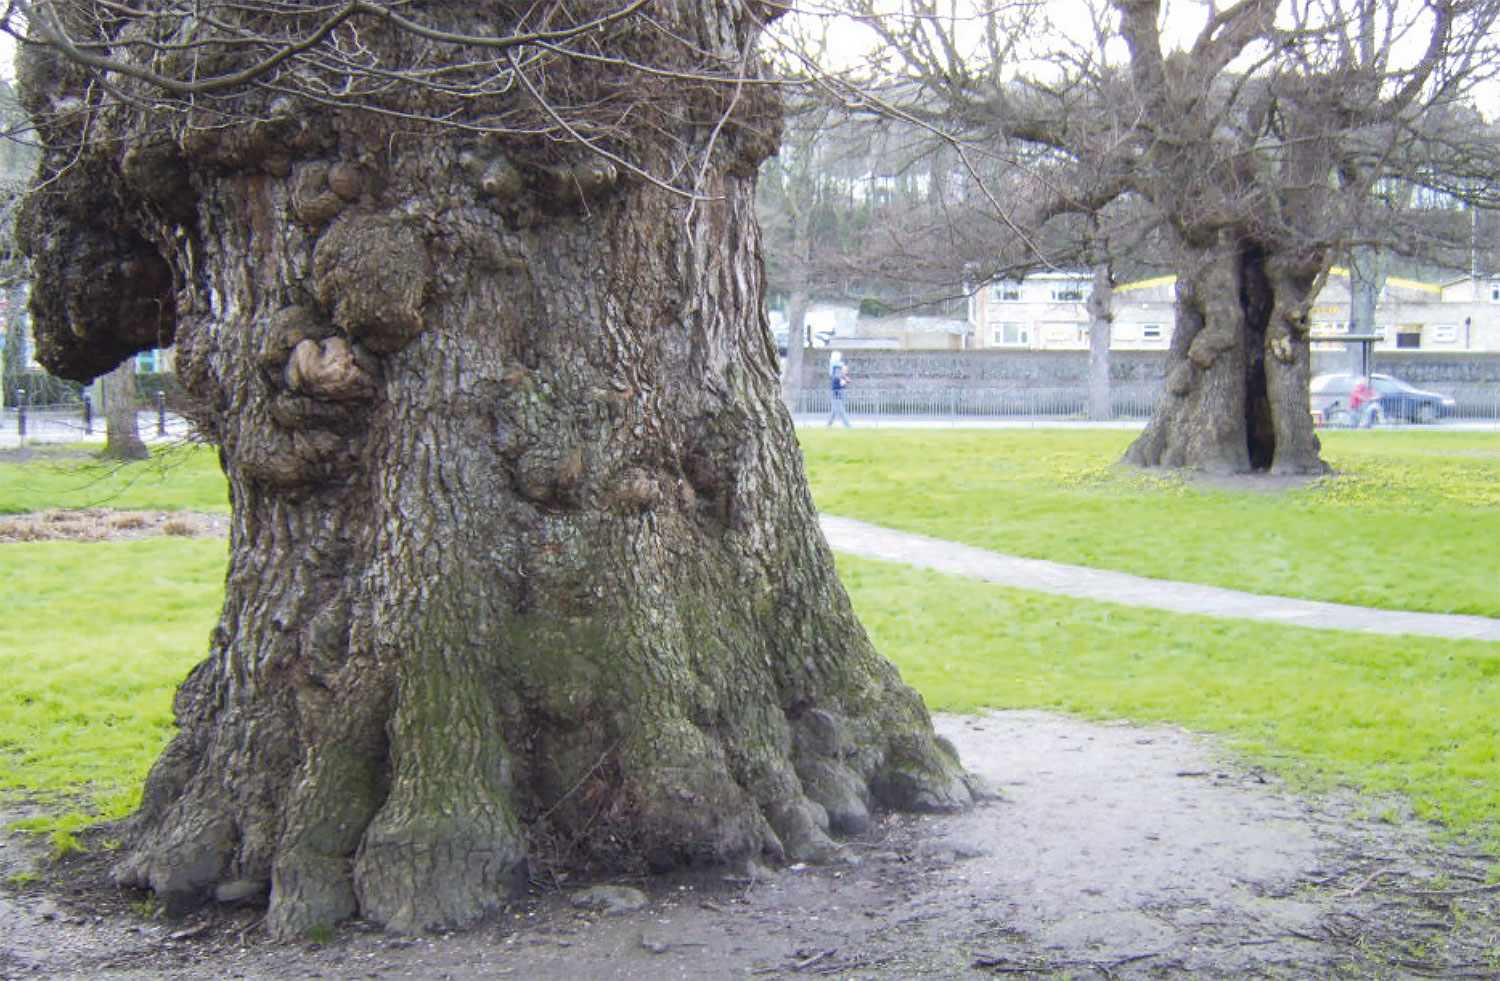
(93, 641)
(1414, 716)
(175, 478)
(1406, 523)
(94, 638)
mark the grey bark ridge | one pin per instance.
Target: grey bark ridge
(875, 542)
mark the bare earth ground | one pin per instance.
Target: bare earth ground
(1117, 851)
(103, 524)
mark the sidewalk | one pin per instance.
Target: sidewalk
(875, 542)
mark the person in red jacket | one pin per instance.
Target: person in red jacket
(1364, 401)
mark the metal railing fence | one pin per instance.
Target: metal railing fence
(974, 406)
(960, 404)
(77, 422)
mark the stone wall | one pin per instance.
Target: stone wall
(1018, 369)
(1136, 376)
(1472, 378)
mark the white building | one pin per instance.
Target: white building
(1046, 311)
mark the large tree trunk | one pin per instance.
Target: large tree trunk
(1236, 398)
(122, 439)
(524, 571)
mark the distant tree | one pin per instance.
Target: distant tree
(811, 224)
(1256, 144)
(847, 210)
(1101, 307)
(524, 569)
(18, 159)
(122, 433)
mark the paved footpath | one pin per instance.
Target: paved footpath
(873, 541)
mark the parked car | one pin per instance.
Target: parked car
(1398, 400)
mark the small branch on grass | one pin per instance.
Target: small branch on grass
(1367, 882)
(1466, 891)
(661, 947)
(842, 966)
(808, 962)
(1004, 965)
(1471, 969)
(193, 932)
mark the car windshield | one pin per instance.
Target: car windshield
(1385, 383)
(1332, 384)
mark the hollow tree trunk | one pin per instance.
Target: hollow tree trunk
(1235, 398)
(524, 571)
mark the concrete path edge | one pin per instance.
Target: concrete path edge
(876, 542)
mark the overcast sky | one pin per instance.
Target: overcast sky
(1070, 22)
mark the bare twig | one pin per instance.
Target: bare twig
(1467, 891)
(808, 962)
(1369, 881)
(54, 33)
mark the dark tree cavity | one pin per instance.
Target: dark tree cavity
(524, 570)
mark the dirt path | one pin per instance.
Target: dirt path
(1117, 852)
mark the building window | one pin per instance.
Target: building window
(1008, 291)
(1495, 291)
(1408, 336)
(1444, 333)
(1068, 292)
(1064, 334)
(1150, 332)
(1012, 335)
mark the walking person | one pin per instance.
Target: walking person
(1364, 401)
(838, 380)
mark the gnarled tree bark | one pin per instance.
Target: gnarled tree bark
(1235, 398)
(523, 567)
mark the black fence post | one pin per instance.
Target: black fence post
(161, 413)
(21, 413)
(88, 415)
